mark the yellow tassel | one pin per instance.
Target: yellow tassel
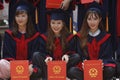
(71, 27)
(36, 16)
(107, 27)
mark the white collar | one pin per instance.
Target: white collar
(96, 33)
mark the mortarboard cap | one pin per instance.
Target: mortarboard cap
(23, 5)
(94, 6)
(95, 9)
(58, 14)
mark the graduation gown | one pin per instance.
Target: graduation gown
(99, 47)
(19, 47)
(58, 52)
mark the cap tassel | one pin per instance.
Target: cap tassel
(107, 27)
(36, 16)
(71, 27)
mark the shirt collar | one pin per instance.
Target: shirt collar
(96, 33)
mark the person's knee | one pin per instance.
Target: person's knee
(4, 69)
(72, 70)
(75, 73)
(108, 72)
(109, 69)
(36, 74)
(35, 54)
(38, 55)
(75, 57)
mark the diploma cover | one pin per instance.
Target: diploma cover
(19, 70)
(93, 70)
(56, 70)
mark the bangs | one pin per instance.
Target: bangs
(20, 12)
(93, 14)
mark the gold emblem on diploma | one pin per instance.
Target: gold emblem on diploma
(93, 72)
(20, 69)
(56, 69)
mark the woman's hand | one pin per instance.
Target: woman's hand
(48, 59)
(65, 4)
(65, 58)
(30, 69)
(83, 63)
(4, 69)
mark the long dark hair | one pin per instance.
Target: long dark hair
(51, 36)
(30, 30)
(85, 28)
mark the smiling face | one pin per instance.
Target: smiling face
(93, 21)
(56, 26)
(21, 19)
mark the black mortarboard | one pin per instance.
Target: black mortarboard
(58, 14)
(94, 6)
(23, 5)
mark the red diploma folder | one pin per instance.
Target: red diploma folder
(56, 70)
(53, 3)
(93, 70)
(19, 70)
(86, 1)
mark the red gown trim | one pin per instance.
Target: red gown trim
(22, 45)
(44, 37)
(94, 47)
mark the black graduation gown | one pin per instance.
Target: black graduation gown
(19, 47)
(57, 53)
(99, 47)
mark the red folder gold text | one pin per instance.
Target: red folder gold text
(19, 70)
(93, 70)
(56, 70)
